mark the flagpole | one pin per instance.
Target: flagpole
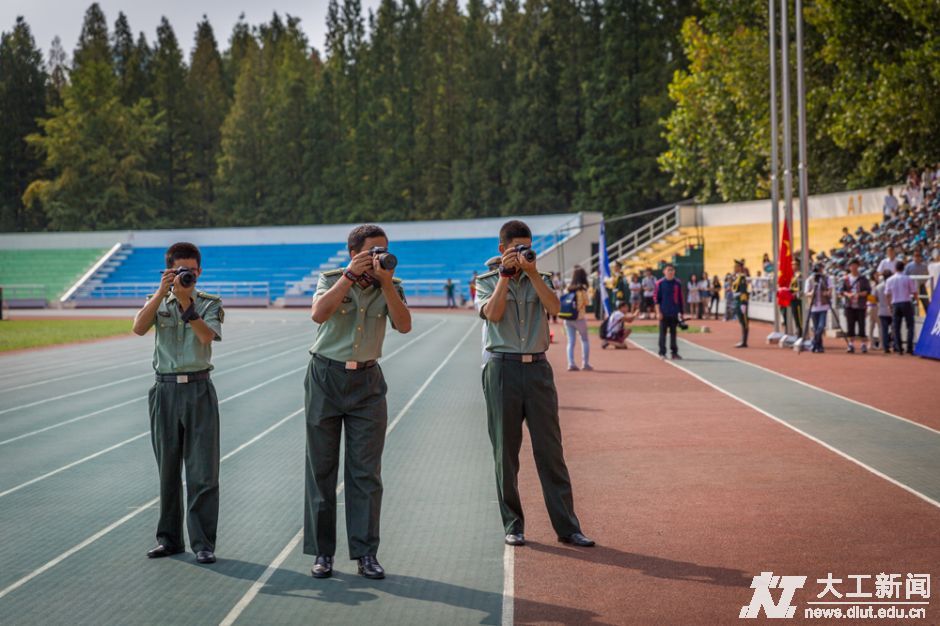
(774, 184)
(603, 269)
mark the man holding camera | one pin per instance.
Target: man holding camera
(184, 408)
(345, 389)
(516, 300)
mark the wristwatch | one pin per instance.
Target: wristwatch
(190, 314)
(508, 272)
(351, 276)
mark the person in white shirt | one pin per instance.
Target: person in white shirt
(900, 289)
(617, 331)
(884, 312)
(887, 263)
(891, 203)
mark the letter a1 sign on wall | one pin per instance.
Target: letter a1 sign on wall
(929, 343)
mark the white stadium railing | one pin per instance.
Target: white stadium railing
(142, 290)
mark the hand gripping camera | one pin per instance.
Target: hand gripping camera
(526, 252)
(387, 260)
(187, 276)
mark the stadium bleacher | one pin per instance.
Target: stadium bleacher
(43, 274)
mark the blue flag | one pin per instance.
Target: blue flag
(928, 344)
(603, 270)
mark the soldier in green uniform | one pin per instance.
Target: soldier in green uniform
(184, 408)
(345, 389)
(740, 291)
(519, 386)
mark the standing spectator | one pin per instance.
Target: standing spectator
(884, 312)
(889, 261)
(900, 289)
(767, 265)
(729, 298)
(933, 269)
(578, 326)
(917, 267)
(796, 299)
(649, 287)
(694, 296)
(636, 293)
(819, 308)
(668, 299)
(449, 288)
(855, 290)
(473, 289)
(715, 292)
(872, 313)
(890, 205)
(618, 290)
(617, 331)
(557, 288)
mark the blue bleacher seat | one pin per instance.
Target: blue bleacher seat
(284, 264)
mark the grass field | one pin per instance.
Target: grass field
(19, 334)
(653, 329)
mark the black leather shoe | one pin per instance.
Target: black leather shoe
(515, 539)
(577, 539)
(322, 567)
(370, 568)
(205, 556)
(159, 551)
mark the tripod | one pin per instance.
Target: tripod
(817, 282)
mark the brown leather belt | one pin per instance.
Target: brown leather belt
(346, 365)
(515, 356)
(188, 377)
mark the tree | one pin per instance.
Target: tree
(172, 156)
(209, 105)
(23, 101)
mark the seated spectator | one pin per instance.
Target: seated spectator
(617, 331)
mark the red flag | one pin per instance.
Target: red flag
(785, 267)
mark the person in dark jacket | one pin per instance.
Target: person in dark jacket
(668, 300)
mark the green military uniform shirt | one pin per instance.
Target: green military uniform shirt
(524, 326)
(739, 287)
(356, 330)
(177, 349)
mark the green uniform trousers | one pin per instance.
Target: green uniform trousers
(355, 400)
(184, 429)
(517, 392)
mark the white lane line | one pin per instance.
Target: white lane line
(273, 566)
(101, 533)
(509, 579)
(124, 380)
(814, 387)
(137, 362)
(120, 522)
(141, 398)
(844, 455)
(136, 437)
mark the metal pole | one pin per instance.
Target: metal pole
(774, 184)
(801, 123)
(787, 133)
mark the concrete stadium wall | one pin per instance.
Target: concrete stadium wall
(575, 249)
(857, 202)
(484, 227)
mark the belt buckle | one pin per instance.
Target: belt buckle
(526, 358)
(182, 378)
(352, 365)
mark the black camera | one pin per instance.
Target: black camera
(387, 260)
(683, 325)
(187, 276)
(526, 252)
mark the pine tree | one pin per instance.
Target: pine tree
(208, 106)
(22, 100)
(173, 154)
(57, 69)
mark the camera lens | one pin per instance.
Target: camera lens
(187, 278)
(388, 261)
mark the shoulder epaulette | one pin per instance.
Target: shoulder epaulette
(545, 274)
(396, 280)
(488, 274)
(336, 272)
(208, 296)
